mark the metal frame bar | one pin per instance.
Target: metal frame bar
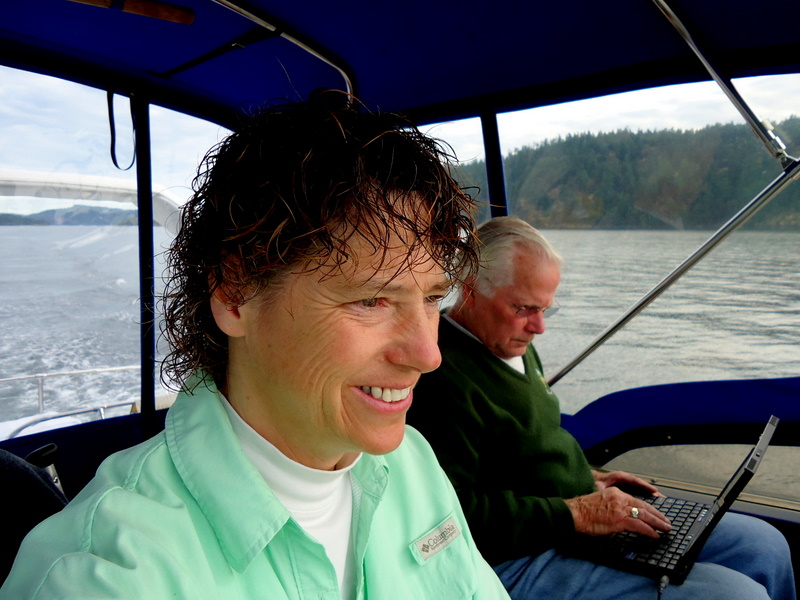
(791, 173)
(773, 143)
(144, 183)
(774, 146)
(321, 55)
(494, 163)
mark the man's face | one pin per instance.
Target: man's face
(498, 321)
(325, 369)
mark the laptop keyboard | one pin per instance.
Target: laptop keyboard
(665, 551)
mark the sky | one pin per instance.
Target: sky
(688, 106)
(47, 124)
(51, 125)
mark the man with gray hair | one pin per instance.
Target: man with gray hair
(523, 481)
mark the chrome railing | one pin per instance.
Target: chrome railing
(100, 410)
(40, 379)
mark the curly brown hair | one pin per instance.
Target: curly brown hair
(290, 189)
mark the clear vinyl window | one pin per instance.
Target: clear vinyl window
(70, 274)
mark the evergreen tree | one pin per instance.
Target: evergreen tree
(643, 180)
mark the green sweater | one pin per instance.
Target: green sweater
(498, 435)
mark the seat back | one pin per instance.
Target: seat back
(83, 447)
(28, 495)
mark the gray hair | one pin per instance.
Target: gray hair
(498, 241)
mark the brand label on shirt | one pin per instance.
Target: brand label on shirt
(436, 540)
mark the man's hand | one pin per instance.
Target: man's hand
(603, 479)
(609, 510)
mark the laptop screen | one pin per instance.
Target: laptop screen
(748, 467)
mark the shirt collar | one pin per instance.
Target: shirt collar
(209, 459)
(515, 362)
(294, 484)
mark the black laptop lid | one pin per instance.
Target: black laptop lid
(703, 528)
(748, 467)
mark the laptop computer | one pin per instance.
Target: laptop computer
(676, 551)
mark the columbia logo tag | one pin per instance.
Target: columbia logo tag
(436, 539)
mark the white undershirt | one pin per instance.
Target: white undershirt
(320, 501)
(515, 362)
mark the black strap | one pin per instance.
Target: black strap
(113, 129)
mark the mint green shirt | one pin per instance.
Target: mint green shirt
(497, 432)
(187, 516)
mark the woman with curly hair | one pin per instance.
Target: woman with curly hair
(301, 309)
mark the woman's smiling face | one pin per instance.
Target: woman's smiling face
(324, 369)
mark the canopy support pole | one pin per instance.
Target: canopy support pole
(774, 146)
(791, 173)
(144, 184)
(773, 143)
(262, 22)
(494, 164)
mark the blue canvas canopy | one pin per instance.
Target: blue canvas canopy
(431, 59)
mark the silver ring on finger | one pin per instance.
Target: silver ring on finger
(634, 512)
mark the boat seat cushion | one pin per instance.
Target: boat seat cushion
(27, 497)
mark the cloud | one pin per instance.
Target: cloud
(688, 106)
(51, 125)
(48, 124)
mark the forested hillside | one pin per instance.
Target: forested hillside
(646, 180)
